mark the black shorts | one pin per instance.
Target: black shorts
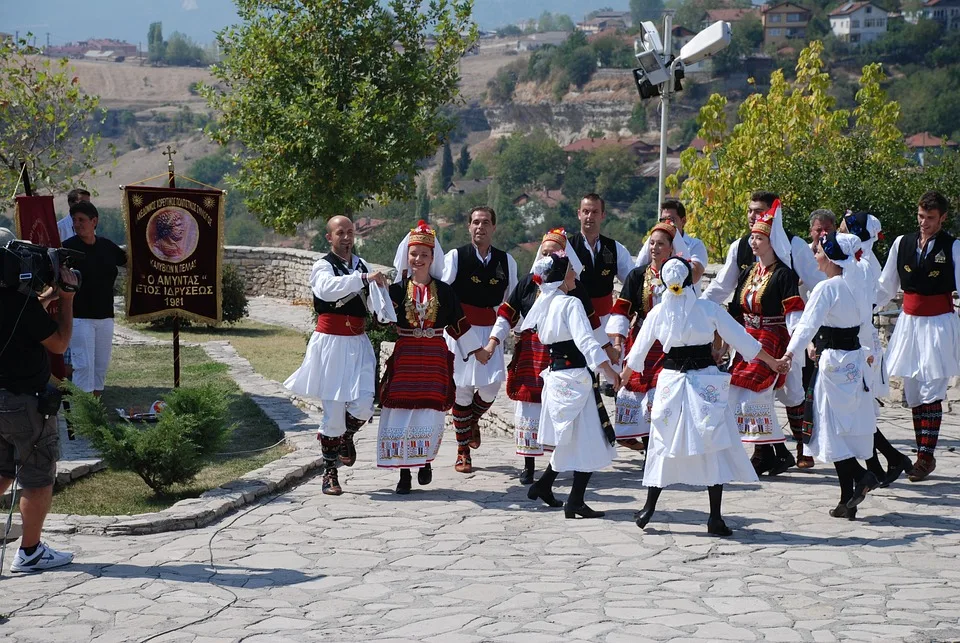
(28, 439)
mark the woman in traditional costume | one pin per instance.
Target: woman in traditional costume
(530, 357)
(641, 291)
(417, 388)
(867, 227)
(572, 419)
(693, 438)
(839, 419)
(769, 296)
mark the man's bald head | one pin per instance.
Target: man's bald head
(340, 236)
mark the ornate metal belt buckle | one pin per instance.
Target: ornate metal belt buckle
(418, 333)
(429, 333)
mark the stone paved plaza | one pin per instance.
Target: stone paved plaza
(469, 558)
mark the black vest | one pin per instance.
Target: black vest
(598, 273)
(481, 285)
(355, 306)
(934, 274)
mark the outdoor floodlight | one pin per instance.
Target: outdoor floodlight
(708, 42)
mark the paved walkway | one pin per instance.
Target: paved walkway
(471, 559)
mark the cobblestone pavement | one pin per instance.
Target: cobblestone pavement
(469, 558)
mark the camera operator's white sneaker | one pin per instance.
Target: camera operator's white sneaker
(43, 558)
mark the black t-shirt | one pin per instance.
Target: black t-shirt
(94, 300)
(24, 365)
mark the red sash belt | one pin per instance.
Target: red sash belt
(333, 324)
(478, 316)
(602, 305)
(927, 305)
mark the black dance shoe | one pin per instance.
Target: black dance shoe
(782, 464)
(535, 493)
(896, 470)
(643, 517)
(718, 528)
(526, 476)
(842, 511)
(583, 511)
(425, 475)
(403, 487)
(763, 464)
(867, 482)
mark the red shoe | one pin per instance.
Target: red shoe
(474, 435)
(331, 485)
(922, 469)
(464, 464)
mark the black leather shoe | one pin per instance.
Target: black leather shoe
(535, 493)
(526, 476)
(867, 482)
(895, 471)
(782, 464)
(403, 487)
(583, 511)
(718, 528)
(763, 465)
(425, 475)
(643, 517)
(842, 511)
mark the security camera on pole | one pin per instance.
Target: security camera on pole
(660, 72)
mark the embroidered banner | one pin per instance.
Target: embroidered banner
(175, 245)
(36, 222)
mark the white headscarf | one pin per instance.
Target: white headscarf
(778, 237)
(401, 260)
(548, 290)
(873, 229)
(677, 302)
(575, 262)
(856, 272)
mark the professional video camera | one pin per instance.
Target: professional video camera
(30, 268)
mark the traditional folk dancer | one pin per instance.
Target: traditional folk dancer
(418, 388)
(641, 291)
(797, 256)
(339, 364)
(840, 419)
(769, 300)
(925, 347)
(867, 227)
(603, 260)
(530, 357)
(694, 438)
(572, 420)
(673, 212)
(482, 276)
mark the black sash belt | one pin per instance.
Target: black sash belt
(689, 358)
(566, 355)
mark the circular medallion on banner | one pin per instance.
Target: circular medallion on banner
(172, 234)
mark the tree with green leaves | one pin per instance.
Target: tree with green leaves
(335, 103)
(641, 10)
(529, 161)
(638, 118)
(463, 161)
(156, 48)
(794, 141)
(423, 202)
(447, 169)
(48, 123)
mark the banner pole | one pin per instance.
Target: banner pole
(172, 183)
(26, 179)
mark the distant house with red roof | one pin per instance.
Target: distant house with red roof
(732, 16)
(923, 146)
(946, 12)
(858, 22)
(639, 147)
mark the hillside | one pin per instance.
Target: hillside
(128, 84)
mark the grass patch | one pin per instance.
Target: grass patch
(137, 376)
(273, 351)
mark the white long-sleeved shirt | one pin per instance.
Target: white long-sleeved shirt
(329, 287)
(832, 304)
(890, 277)
(625, 261)
(566, 320)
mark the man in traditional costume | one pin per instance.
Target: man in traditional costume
(794, 254)
(641, 291)
(694, 438)
(572, 420)
(925, 347)
(530, 357)
(603, 259)
(339, 366)
(482, 276)
(673, 212)
(768, 300)
(840, 419)
(418, 388)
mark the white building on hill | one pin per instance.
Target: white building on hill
(858, 22)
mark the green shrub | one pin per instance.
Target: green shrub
(189, 431)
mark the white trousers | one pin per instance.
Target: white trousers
(917, 391)
(333, 424)
(487, 393)
(90, 349)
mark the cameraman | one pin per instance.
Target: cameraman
(29, 441)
